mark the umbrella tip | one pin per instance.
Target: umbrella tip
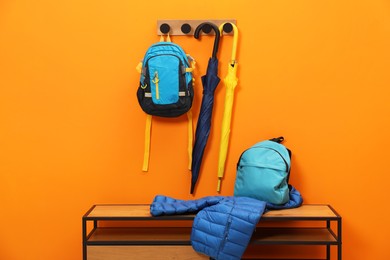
(219, 185)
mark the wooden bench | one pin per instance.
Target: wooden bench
(119, 232)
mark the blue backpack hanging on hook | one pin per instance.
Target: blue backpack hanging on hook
(166, 87)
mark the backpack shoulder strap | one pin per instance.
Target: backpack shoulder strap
(279, 140)
(148, 127)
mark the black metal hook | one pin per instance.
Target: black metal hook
(186, 28)
(165, 28)
(217, 35)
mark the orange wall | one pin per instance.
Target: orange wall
(71, 135)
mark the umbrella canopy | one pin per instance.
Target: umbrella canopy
(209, 82)
(230, 82)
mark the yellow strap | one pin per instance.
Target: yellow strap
(155, 81)
(192, 64)
(139, 67)
(168, 39)
(190, 138)
(148, 127)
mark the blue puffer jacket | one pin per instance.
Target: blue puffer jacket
(223, 226)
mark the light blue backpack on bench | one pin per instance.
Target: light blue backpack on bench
(263, 171)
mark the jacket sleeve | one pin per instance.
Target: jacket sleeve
(163, 205)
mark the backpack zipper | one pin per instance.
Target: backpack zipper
(177, 49)
(262, 166)
(262, 147)
(163, 54)
(155, 81)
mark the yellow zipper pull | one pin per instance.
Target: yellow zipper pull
(155, 81)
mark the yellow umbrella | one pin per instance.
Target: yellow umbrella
(230, 82)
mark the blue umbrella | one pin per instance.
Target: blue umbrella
(209, 82)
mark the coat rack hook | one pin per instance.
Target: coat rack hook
(165, 28)
(227, 28)
(186, 28)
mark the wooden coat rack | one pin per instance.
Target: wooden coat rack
(187, 27)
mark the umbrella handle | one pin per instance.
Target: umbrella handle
(217, 35)
(235, 40)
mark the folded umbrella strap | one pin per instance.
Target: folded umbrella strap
(190, 138)
(147, 143)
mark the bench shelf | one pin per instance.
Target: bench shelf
(119, 232)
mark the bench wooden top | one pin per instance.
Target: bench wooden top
(131, 211)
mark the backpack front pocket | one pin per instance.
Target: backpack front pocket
(164, 71)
